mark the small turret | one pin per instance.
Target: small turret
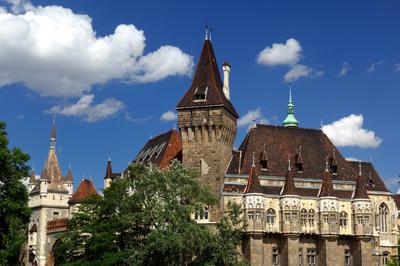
(226, 68)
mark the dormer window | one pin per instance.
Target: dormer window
(264, 164)
(264, 160)
(200, 94)
(299, 161)
(334, 169)
(299, 167)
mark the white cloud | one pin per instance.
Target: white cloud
(287, 54)
(281, 54)
(299, 71)
(251, 117)
(168, 116)
(345, 69)
(56, 52)
(396, 67)
(87, 111)
(349, 131)
(373, 66)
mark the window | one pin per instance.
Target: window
(206, 213)
(275, 256)
(299, 167)
(385, 259)
(258, 215)
(311, 217)
(334, 169)
(333, 218)
(202, 216)
(343, 219)
(301, 256)
(264, 164)
(287, 216)
(359, 219)
(383, 217)
(270, 216)
(347, 257)
(325, 218)
(250, 215)
(294, 216)
(311, 257)
(200, 94)
(366, 219)
(303, 217)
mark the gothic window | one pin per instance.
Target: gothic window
(258, 215)
(332, 219)
(311, 217)
(250, 205)
(275, 256)
(206, 213)
(383, 217)
(343, 219)
(311, 257)
(270, 216)
(294, 216)
(250, 215)
(385, 259)
(303, 217)
(287, 216)
(202, 216)
(325, 218)
(359, 219)
(258, 206)
(347, 257)
(300, 256)
(366, 219)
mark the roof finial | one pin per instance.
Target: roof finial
(326, 164)
(109, 154)
(359, 169)
(253, 164)
(289, 167)
(206, 32)
(211, 30)
(290, 120)
(53, 133)
(322, 123)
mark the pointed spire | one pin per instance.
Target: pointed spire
(327, 187)
(51, 170)
(289, 188)
(108, 169)
(253, 183)
(361, 185)
(53, 133)
(32, 178)
(290, 120)
(69, 176)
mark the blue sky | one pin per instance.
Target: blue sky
(110, 92)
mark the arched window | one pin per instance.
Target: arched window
(311, 217)
(383, 217)
(258, 215)
(343, 219)
(250, 215)
(287, 214)
(303, 217)
(206, 213)
(258, 206)
(271, 216)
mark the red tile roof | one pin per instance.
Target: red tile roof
(57, 225)
(161, 150)
(206, 80)
(85, 189)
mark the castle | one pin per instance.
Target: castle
(303, 202)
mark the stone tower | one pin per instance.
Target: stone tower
(207, 123)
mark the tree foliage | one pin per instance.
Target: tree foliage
(145, 218)
(14, 211)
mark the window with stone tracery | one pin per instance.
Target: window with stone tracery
(311, 217)
(303, 217)
(271, 216)
(343, 219)
(250, 215)
(383, 217)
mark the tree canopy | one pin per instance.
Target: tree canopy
(146, 218)
(14, 211)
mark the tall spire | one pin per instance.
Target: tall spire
(53, 133)
(253, 183)
(327, 187)
(290, 120)
(361, 185)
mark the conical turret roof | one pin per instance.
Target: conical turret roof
(361, 186)
(289, 188)
(327, 187)
(253, 183)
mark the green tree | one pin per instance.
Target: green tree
(145, 218)
(14, 211)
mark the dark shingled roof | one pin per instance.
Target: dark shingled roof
(206, 77)
(161, 150)
(280, 142)
(253, 184)
(361, 185)
(85, 189)
(396, 199)
(109, 172)
(373, 180)
(289, 188)
(327, 187)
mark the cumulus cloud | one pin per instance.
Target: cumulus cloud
(251, 117)
(287, 54)
(281, 54)
(56, 52)
(349, 131)
(344, 70)
(373, 66)
(87, 111)
(168, 116)
(396, 67)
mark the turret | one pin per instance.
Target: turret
(68, 181)
(290, 203)
(328, 205)
(361, 206)
(226, 68)
(290, 120)
(254, 202)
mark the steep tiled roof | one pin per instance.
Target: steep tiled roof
(109, 172)
(280, 142)
(327, 187)
(361, 185)
(206, 80)
(253, 184)
(161, 150)
(69, 177)
(396, 199)
(289, 188)
(85, 189)
(373, 180)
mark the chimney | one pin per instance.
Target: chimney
(226, 68)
